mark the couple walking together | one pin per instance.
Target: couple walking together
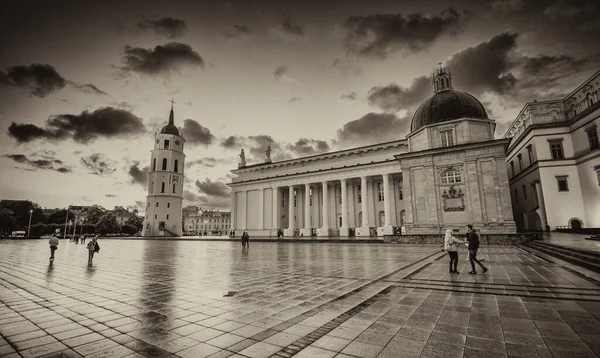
(451, 246)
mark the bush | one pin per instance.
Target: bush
(128, 229)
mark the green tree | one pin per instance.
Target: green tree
(8, 222)
(136, 221)
(107, 224)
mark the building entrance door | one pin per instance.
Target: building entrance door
(575, 224)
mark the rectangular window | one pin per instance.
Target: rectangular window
(447, 138)
(154, 164)
(516, 195)
(562, 183)
(593, 138)
(157, 204)
(359, 193)
(168, 205)
(520, 157)
(512, 168)
(295, 201)
(556, 149)
(310, 196)
(400, 192)
(166, 146)
(167, 216)
(380, 191)
(524, 192)
(530, 154)
(340, 195)
(282, 201)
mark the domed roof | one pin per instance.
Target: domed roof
(445, 106)
(170, 128)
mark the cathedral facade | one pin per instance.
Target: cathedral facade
(447, 173)
(164, 202)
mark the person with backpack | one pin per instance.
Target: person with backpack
(92, 248)
(473, 239)
(53, 246)
(451, 246)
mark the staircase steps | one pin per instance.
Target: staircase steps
(584, 258)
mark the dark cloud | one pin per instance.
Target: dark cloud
(207, 162)
(216, 188)
(138, 175)
(195, 133)
(350, 97)
(105, 122)
(90, 89)
(346, 67)
(231, 142)
(99, 164)
(110, 195)
(46, 164)
(373, 128)
(294, 99)
(37, 79)
(381, 34)
(288, 28)
(485, 67)
(304, 147)
(255, 147)
(161, 60)
(206, 201)
(166, 26)
(280, 72)
(238, 31)
(393, 98)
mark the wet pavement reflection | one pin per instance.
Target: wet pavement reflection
(198, 299)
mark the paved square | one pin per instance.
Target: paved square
(213, 299)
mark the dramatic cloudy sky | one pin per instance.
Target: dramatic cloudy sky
(85, 84)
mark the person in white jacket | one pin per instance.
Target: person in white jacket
(451, 246)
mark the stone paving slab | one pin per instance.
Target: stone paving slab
(213, 299)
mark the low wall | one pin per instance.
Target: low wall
(485, 239)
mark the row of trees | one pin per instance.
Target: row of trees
(14, 215)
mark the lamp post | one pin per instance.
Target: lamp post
(75, 224)
(29, 227)
(66, 221)
(81, 225)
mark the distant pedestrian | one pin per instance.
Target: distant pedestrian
(473, 239)
(548, 230)
(83, 239)
(92, 248)
(451, 246)
(53, 246)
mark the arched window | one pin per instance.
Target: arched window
(154, 164)
(175, 167)
(152, 187)
(164, 164)
(451, 177)
(174, 187)
(162, 187)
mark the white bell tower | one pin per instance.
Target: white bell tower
(165, 183)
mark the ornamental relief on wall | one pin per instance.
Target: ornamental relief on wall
(451, 180)
(453, 199)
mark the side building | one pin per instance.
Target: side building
(554, 161)
(448, 173)
(197, 221)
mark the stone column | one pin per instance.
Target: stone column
(344, 228)
(541, 211)
(261, 207)
(233, 206)
(275, 212)
(289, 232)
(364, 229)
(307, 230)
(388, 196)
(324, 230)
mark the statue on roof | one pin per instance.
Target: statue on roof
(242, 162)
(268, 153)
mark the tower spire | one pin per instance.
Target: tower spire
(442, 79)
(171, 116)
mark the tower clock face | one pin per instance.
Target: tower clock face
(176, 142)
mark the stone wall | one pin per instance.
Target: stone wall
(485, 239)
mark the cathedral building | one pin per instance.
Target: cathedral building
(554, 161)
(165, 183)
(447, 173)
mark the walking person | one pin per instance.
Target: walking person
(473, 239)
(92, 248)
(53, 246)
(451, 246)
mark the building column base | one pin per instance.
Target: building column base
(385, 230)
(364, 231)
(344, 231)
(289, 232)
(306, 232)
(323, 231)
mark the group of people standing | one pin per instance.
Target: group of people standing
(451, 245)
(92, 247)
(245, 240)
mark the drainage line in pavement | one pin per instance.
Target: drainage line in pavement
(504, 284)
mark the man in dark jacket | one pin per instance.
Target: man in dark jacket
(473, 239)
